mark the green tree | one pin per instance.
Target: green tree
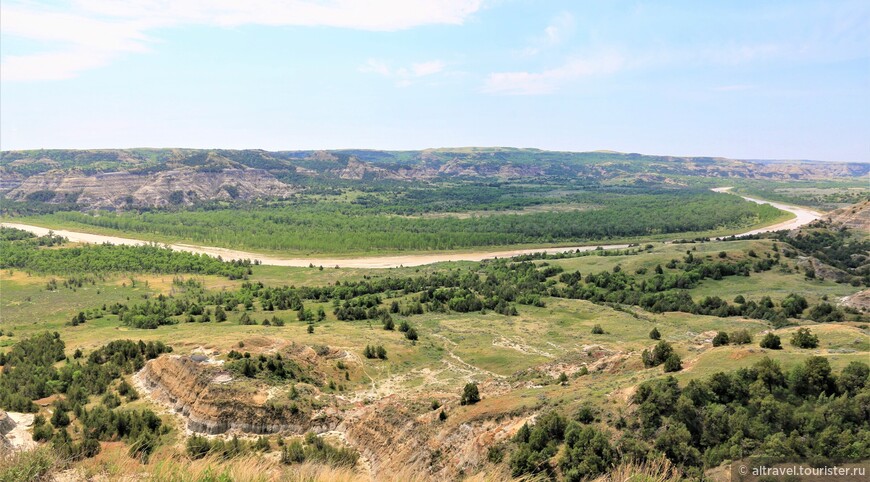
(673, 363)
(804, 338)
(470, 394)
(793, 305)
(771, 342)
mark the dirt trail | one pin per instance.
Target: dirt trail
(802, 216)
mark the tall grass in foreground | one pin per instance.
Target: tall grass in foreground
(659, 470)
(34, 465)
(41, 464)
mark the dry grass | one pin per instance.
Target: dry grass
(660, 470)
(34, 465)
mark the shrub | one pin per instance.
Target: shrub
(720, 339)
(793, 305)
(804, 338)
(740, 337)
(673, 363)
(771, 342)
(658, 355)
(198, 447)
(470, 394)
(389, 324)
(654, 334)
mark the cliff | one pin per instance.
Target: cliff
(119, 190)
(213, 402)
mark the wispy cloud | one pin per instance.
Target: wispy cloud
(548, 81)
(403, 76)
(560, 28)
(611, 60)
(92, 33)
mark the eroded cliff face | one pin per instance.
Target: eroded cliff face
(6, 425)
(396, 434)
(120, 190)
(401, 436)
(213, 402)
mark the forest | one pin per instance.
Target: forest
(336, 227)
(24, 251)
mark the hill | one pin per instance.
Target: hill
(131, 178)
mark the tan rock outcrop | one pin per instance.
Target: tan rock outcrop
(118, 190)
(213, 403)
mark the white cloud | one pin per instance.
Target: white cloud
(427, 68)
(376, 66)
(548, 81)
(91, 33)
(560, 28)
(403, 76)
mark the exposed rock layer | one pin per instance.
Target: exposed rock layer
(118, 190)
(195, 391)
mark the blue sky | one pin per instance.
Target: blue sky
(742, 79)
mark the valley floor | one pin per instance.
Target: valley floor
(802, 216)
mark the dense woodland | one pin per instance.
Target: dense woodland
(339, 227)
(20, 251)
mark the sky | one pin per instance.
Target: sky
(740, 79)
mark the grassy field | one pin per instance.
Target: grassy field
(452, 346)
(515, 360)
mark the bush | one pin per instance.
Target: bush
(826, 313)
(654, 334)
(389, 324)
(771, 342)
(659, 354)
(720, 339)
(804, 338)
(597, 330)
(793, 305)
(470, 394)
(293, 453)
(59, 418)
(740, 337)
(673, 363)
(198, 447)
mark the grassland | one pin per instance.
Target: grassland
(516, 360)
(486, 344)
